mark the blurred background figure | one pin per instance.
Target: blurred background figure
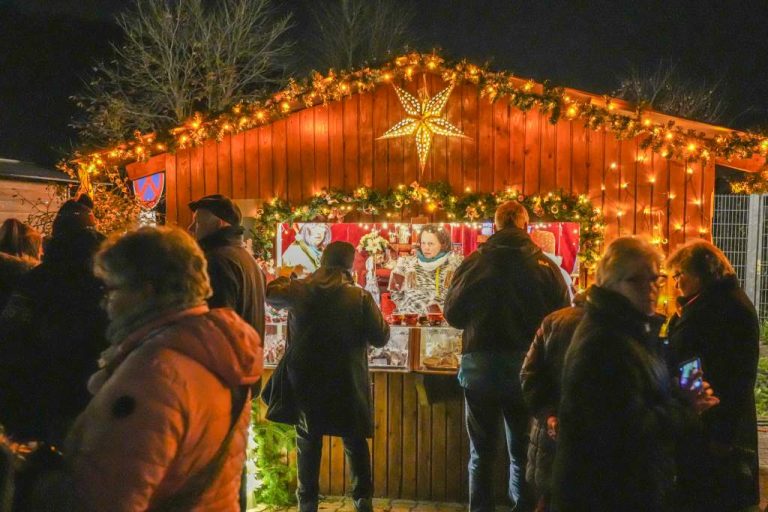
(717, 322)
(620, 416)
(21, 247)
(52, 332)
(540, 378)
(331, 323)
(167, 426)
(419, 281)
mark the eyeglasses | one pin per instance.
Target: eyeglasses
(653, 280)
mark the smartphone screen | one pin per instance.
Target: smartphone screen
(687, 370)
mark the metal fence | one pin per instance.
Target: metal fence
(740, 230)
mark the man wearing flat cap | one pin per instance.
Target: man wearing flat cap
(236, 279)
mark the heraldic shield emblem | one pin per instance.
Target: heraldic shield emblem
(149, 189)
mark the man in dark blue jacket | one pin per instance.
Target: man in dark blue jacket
(499, 296)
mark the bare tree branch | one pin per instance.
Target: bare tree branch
(663, 88)
(177, 58)
(349, 33)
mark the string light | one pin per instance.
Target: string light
(333, 86)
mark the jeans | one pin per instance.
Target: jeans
(486, 407)
(309, 447)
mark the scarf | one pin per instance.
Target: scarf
(432, 263)
(121, 335)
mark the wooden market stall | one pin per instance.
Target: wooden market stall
(647, 173)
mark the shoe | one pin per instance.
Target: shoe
(307, 505)
(364, 505)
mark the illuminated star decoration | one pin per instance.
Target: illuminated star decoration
(423, 120)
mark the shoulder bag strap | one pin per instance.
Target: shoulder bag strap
(195, 486)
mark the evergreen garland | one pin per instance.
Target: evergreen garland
(334, 205)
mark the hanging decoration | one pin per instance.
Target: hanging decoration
(401, 202)
(423, 121)
(148, 190)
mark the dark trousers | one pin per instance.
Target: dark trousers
(309, 449)
(486, 408)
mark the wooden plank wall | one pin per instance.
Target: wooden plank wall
(335, 145)
(18, 198)
(419, 451)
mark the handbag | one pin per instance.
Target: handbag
(278, 394)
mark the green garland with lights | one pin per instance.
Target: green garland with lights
(596, 113)
(752, 183)
(395, 204)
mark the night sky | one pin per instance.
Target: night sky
(46, 47)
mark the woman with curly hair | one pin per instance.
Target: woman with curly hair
(167, 425)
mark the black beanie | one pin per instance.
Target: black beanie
(338, 254)
(74, 215)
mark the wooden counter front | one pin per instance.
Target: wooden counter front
(419, 450)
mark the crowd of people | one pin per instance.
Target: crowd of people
(136, 357)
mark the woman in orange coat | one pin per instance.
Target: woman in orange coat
(176, 375)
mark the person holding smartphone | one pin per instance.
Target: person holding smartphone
(717, 323)
(621, 416)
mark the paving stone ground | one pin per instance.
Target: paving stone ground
(343, 504)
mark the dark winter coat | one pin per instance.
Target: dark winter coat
(52, 332)
(11, 269)
(236, 278)
(721, 327)
(620, 418)
(331, 322)
(501, 293)
(540, 380)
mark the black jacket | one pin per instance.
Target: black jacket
(236, 278)
(501, 293)
(331, 322)
(540, 380)
(620, 418)
(52, 332)
(721, 327)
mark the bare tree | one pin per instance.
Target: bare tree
(663, 88)
(349, 33)
(180, 57)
